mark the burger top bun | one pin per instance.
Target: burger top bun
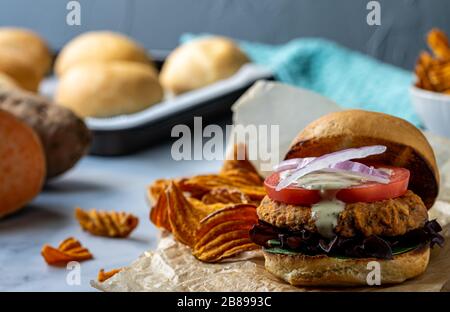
(28, 45)
(406, 146)
(100, 46)
(201, 62)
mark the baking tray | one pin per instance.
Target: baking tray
(126, 134)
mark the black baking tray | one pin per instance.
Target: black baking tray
(131, 140)
(124, 135)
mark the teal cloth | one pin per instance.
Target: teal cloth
(351, 79)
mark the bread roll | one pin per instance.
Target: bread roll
(109, 89)
(100, 46)
(22, 164)
(7, 82)
(201, 62)
(29, 45)
(20, 69)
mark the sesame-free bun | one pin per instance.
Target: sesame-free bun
(20, 69)
(406, 145)
(7, 82)
(201, 62)
(28, 45)
(321, 270)
(100, 46)
(108, 89)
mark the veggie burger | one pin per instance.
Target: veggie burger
(354, 187)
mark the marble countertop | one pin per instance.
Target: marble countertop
(117, 183)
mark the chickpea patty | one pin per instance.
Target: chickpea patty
(389, 217)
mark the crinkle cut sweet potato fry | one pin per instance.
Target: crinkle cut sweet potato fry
(226, 227)
(225, 233)
(105, 275)
(239, 212)
(69, 250)
(158, 187)
(235, 174)
(204, 184)
(182, 215)
(226, 250)
(238, 160)
(210, 213)
(106, 223)
(238, 182)
(214, 231)
(159, 212)
(225, 195)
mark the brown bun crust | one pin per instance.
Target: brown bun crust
(100, 46)
(109, 89)
(7, 83)
(20, 69)
(29, 45)
(201, 62)
(406, 146)
(301, 270)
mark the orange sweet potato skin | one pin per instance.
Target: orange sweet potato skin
(64, 136)
(22, 164)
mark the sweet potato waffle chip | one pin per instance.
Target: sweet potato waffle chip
(225, 195)
(103, 276)
(224, 233)
(433, 71)
(106, 223)
(69, 250)
(210, 213)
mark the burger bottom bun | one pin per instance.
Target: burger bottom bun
(301, 270)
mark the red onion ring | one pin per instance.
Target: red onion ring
(337, 160)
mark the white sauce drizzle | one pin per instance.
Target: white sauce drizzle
(326, 213)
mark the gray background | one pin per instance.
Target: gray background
(158, 23)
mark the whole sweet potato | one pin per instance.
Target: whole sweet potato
(64, 136)
(22, 164)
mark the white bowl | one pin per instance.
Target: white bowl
(434, 110)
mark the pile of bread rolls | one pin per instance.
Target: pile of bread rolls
(105, 74)
(101, 74)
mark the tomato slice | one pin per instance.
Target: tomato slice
(367, 192)
(291, 194)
